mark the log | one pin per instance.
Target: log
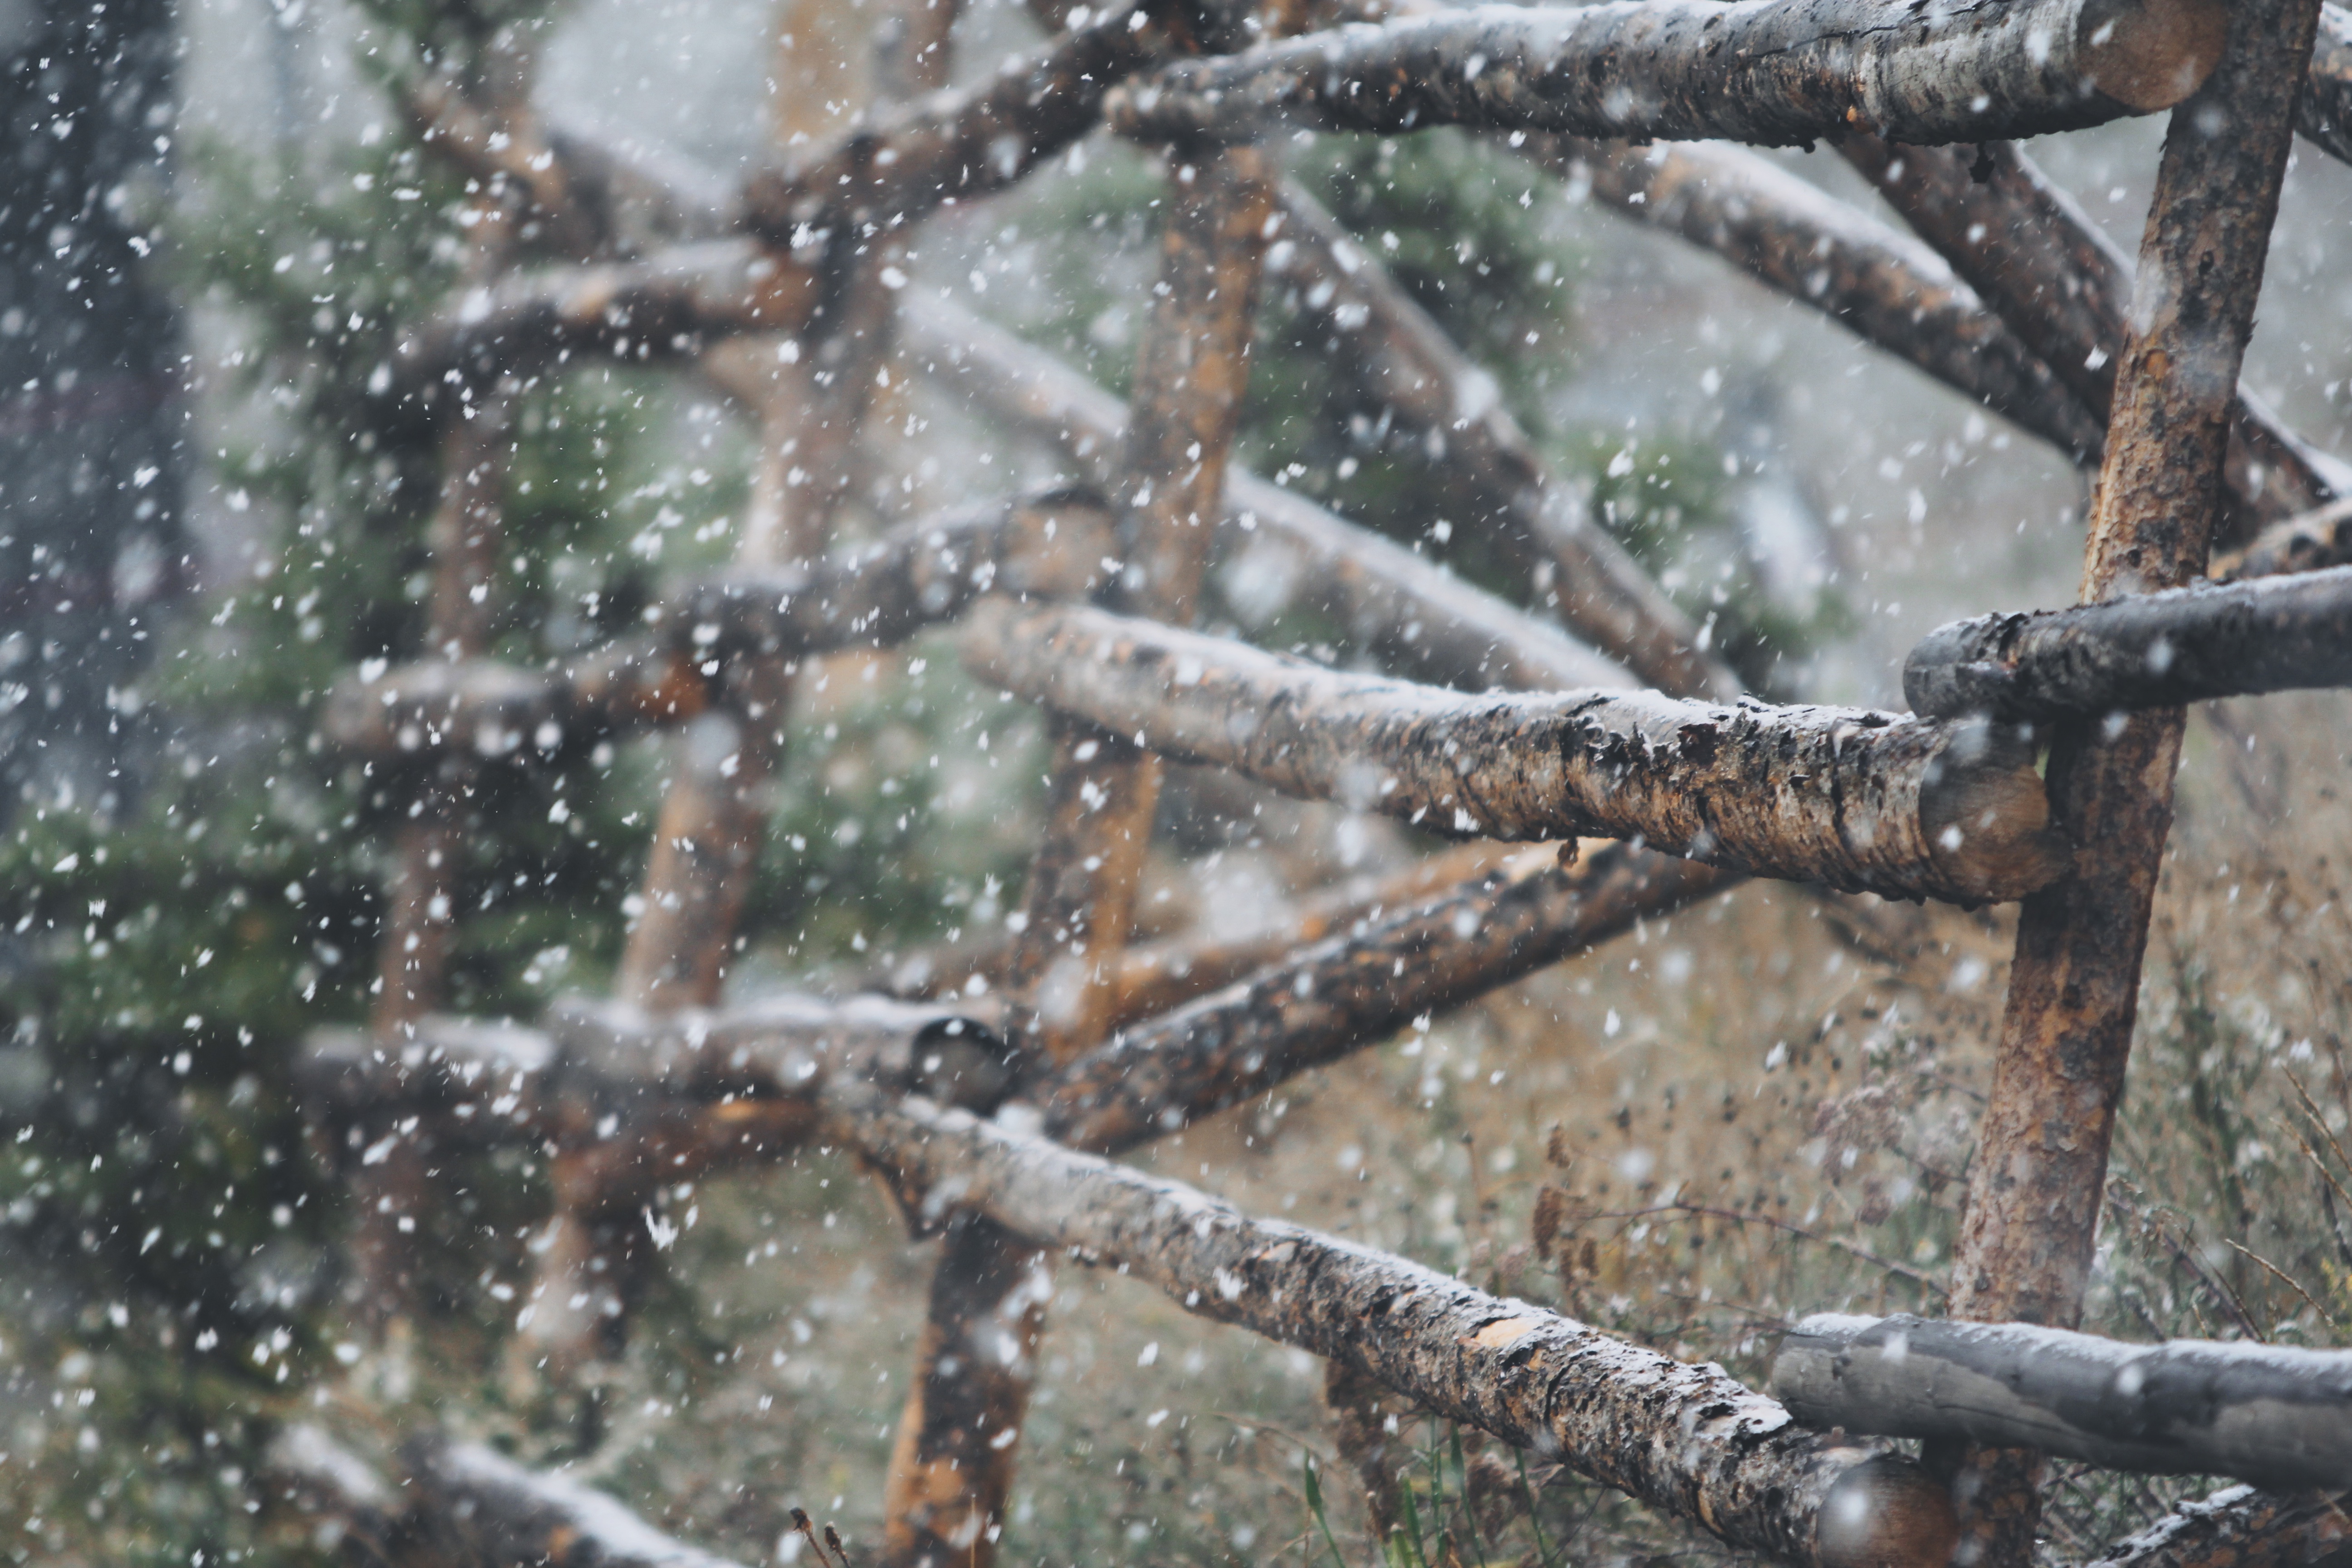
(1417, 617)
(474, 1504)
(2026, 1242)
(2277, 1416)
(1686, 1439)
(2238, 1527)
(1774, 73)
(2145, 650)
(1886, 288)
(1322, 1001)
(492, 710)
(1861, 801)
(2032, 254)
(2311, 542)
(1532, 515)
(2324, 113)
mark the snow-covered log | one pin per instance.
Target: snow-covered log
(2239, 1527)
(2275, 1416)
(1414, 615)
(1686, 1439)
(2144, 650)
(1863, 801)
(1775, 73)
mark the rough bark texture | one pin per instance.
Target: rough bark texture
(1686, 1439)
(2035, 1192)
(2145, 650)
(2307, 544)
(475, 1505)
(1775, 73)
(2279, 1417)
(2325, 111)
(1531, 514)
(1886, 288)
(1416, 617)
(1327, 999)
(1858, 800)
(2064, 287)
(2240, 1528)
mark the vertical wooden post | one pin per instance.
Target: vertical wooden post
(953, 1463)
(2058, 1074)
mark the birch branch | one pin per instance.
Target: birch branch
(2278, 1416)
(1687, 1440)
(2239, 1528)
(1773, 73)
(2030, 251)
(1886, 288)
(1407, 360)
(2144, 650)
(1861, 801)
(1416, 617)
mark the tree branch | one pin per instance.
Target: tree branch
(1774, 73)
(2239, 1528)
(1866, 801)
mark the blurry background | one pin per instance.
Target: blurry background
(212, 217)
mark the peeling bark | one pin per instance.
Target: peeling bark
(1866, 801)
(1537, 518)
(1775, 73)
(1885, 287)
(1686, 1439)
(1416, 617)
(2064, 287)
(2144, 650)
(1324, 1000)
(2025, 1243)
(2278, 1416)
(2240, 1528)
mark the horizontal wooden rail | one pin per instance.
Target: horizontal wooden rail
(2144, 650)
(1350, 989)
(1051, 544)
(1686, 1439)
(2316, 540)
(1861, 801)
(1775, 73)
(2275, 1416)
(1410, 613)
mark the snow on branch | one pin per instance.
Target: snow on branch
(1863, 801)
(2273, 1415)
(1771, 72)
(2143, 650)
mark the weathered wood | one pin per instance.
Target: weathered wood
(1884, 285)
(1414, 615)
(2324, 113)
(2240, 1528)
(491, 709)
(1686, 1439)
(1864, 801)
(1193, 369)
(474, 1504)
(2144, 650)
(2032, 254)
(1533, 516)
(1354, 988)
(1777, 73)
(2277, 1416)
(2025, 1243)
(2311, 542)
